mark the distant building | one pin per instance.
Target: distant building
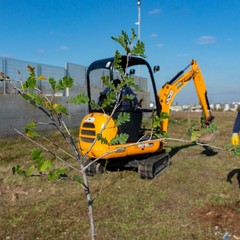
(226, 107)
(218, 106)
(176, 108)
(196, 108)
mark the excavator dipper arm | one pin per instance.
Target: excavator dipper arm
(168, 92)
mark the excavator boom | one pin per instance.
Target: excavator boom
(168, 92)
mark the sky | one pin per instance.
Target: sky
(174, 32)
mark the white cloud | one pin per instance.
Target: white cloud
(154, 35)
(205, 40)
(154, 11)
(159, 45)
(183, 55)
(40, 51)
(63, 48)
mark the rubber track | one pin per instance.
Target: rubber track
(148, 168)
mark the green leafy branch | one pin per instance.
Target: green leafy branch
(33, 94)
(79, 99)
(62, 84)
(30, 129)
(44, 167)
(195, 132)
(234, 149)
(122, 117)
(130, 49)
(127, 44)
(156, 125)
(122, 138)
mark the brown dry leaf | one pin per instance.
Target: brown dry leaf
(14, 197)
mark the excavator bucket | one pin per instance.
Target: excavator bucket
(206, 138)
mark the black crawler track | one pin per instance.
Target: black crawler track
(153, 166)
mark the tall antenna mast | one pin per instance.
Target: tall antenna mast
(139, 19)
(139, 28)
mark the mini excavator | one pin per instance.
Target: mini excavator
(140, 152)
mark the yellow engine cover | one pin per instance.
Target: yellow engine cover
(92, 124)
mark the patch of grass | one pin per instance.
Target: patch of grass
(187, 201)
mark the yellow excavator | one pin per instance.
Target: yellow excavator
(142, 150)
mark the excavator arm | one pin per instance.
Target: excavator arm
(168, 92)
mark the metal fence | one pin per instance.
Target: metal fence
(16, 112)
(17, 69)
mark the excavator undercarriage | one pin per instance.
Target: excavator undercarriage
(148, 166)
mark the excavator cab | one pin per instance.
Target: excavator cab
(142, 150)
(140, 107)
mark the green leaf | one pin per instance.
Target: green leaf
(122, 40)
(31, 125)
(37, 158)
(68, 82)
(158, 120)
(46, 165)
(134, 50)
(109, 100)
(56, 174)
(133, 35)
(24, 86)
(196, 131)
(33, 98)
(102, 139)
(128, 97)
(234, 149)
(53, 83)
(122, 118)
(120, 139)
(30, 170)
(139, 49)
(105, 80)
(29, 130)
(18, 170)
(31, 81)
(36, 154)
(130, 82)
(60, 109)
(65, 82)
(211, 128)
(78, 179)
(94, 105)
(195, 134)
(159, 134)
(79, 99)
(117, 61)
(164, 115)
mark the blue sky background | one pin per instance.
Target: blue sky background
(174, 32)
